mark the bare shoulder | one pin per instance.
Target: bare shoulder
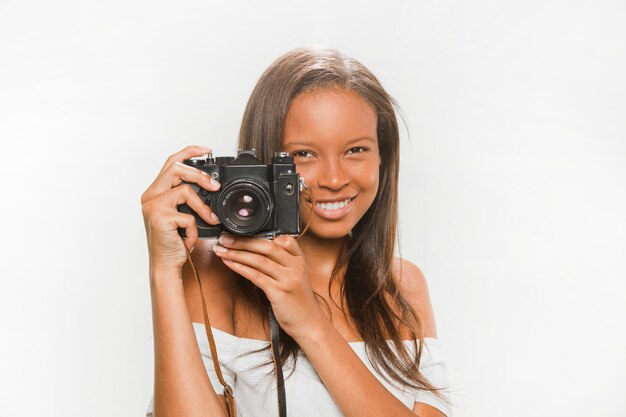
(219, 287)
(415, 289)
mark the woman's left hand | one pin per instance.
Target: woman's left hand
(277, 267)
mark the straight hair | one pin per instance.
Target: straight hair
(373, 298)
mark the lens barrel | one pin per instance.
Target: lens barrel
(245, 206)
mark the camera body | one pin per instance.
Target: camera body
(254, 199)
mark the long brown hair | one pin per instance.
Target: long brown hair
(373, 298)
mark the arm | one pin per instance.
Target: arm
(357, 391)
(415, 289)
(425, 410)
(353, 387)
(181, 385)
(278, 267)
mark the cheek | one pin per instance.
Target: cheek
(374, 188)
(307, 173)
(374, 182)
(375, 173)
(367, 177)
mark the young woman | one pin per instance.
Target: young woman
(358, 334)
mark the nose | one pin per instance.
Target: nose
(332, 175)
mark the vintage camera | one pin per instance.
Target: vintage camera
(254, 198)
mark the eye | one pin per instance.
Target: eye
(301, 154)
(357, 149)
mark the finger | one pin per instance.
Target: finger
(186, 153)
(183, 194)
(253, 260)
(258, 278)
(166, 222)
(289, 244)
(187, 222)
(257, 245)
(186, 195)
(175, 174)
(181, 172)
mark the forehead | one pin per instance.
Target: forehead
(329, 116)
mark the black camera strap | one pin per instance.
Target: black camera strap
(275, 327)
(280, 382)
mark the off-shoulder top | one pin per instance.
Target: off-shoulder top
(247, 368)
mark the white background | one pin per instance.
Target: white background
(513, 192)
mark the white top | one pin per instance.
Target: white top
(249, 373)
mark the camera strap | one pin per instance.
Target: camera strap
(280, 382)
(274, 346)
(228, 390)
(274, 335)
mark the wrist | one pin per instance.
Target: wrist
(160, 265)
(315, 333)
(165, 275)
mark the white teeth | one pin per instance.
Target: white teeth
(333, 206)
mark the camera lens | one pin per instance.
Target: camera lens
(245, 207)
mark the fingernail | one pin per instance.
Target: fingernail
(215, 218)
(206, 148)
(214, 182)
(219, 249)
(226, 240)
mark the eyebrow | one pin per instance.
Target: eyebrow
(351, 141)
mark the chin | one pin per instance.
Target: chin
(329, 231)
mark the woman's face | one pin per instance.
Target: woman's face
(332, 136)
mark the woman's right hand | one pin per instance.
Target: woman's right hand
(162, 219)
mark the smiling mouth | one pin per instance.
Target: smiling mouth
(337, 205)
